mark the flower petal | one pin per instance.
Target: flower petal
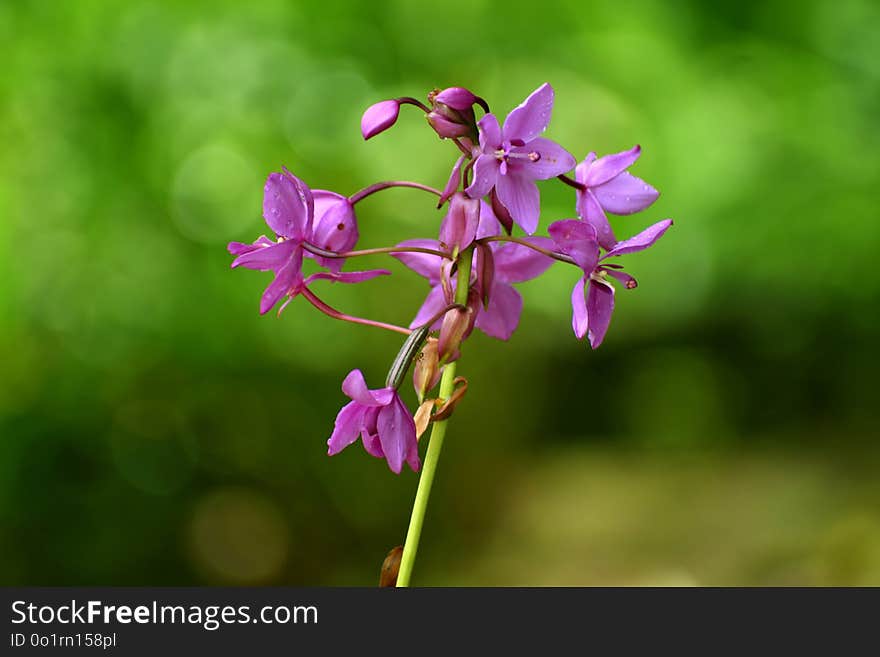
(501, 318)
(355, 387)
(553, 159)
(582, 169)
(485, 175)
(521, 197)
(641, 241)
(334, 227)
(456, 97)
(369, 434)
(433, 304)
(579, 309)
(424, 264)
(286, 205)
(271, 257)
(397, 433)
(600, 304)
(453, 182)
(515, 263)
(608, 166)
(531, 117)
(240, 248)
(287, 279)
(625, 194)
(489, 225)
(490, 133)
(379, 117)
(588, 208)
(347, 427)
(578, 240)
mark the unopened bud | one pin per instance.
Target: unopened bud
(447, 128)
(379, 117)
(455, 327)
(426, 371)
(459, 227)
(457, 98)
(452, 112)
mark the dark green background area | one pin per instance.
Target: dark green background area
(154, 429)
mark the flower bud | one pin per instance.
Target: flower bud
(455, 327)
(452, 113)
(447, 127)
(426, 372)
(459, 227)
(456, 97)
(379, 117)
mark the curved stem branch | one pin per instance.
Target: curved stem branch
(461, 147)
(335, 314)
(435, 444)
(466, 174)
(409, 100)
(311, 248)
(534, 247)
(571, 183)
(379, 186)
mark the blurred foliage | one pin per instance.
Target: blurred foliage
(155, 430)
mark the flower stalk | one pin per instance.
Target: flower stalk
(435, 442)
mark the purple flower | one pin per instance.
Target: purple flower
(510, 263)
(296, 214)
(513, 157)
(382, 421)
(289, 209)
(379, 117)
(591, 313)
(610, 188)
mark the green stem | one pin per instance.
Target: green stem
(435, 443)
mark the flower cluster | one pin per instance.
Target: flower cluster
(474, 262)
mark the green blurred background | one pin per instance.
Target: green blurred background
(154, 429)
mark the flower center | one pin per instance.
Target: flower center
(505, 153)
